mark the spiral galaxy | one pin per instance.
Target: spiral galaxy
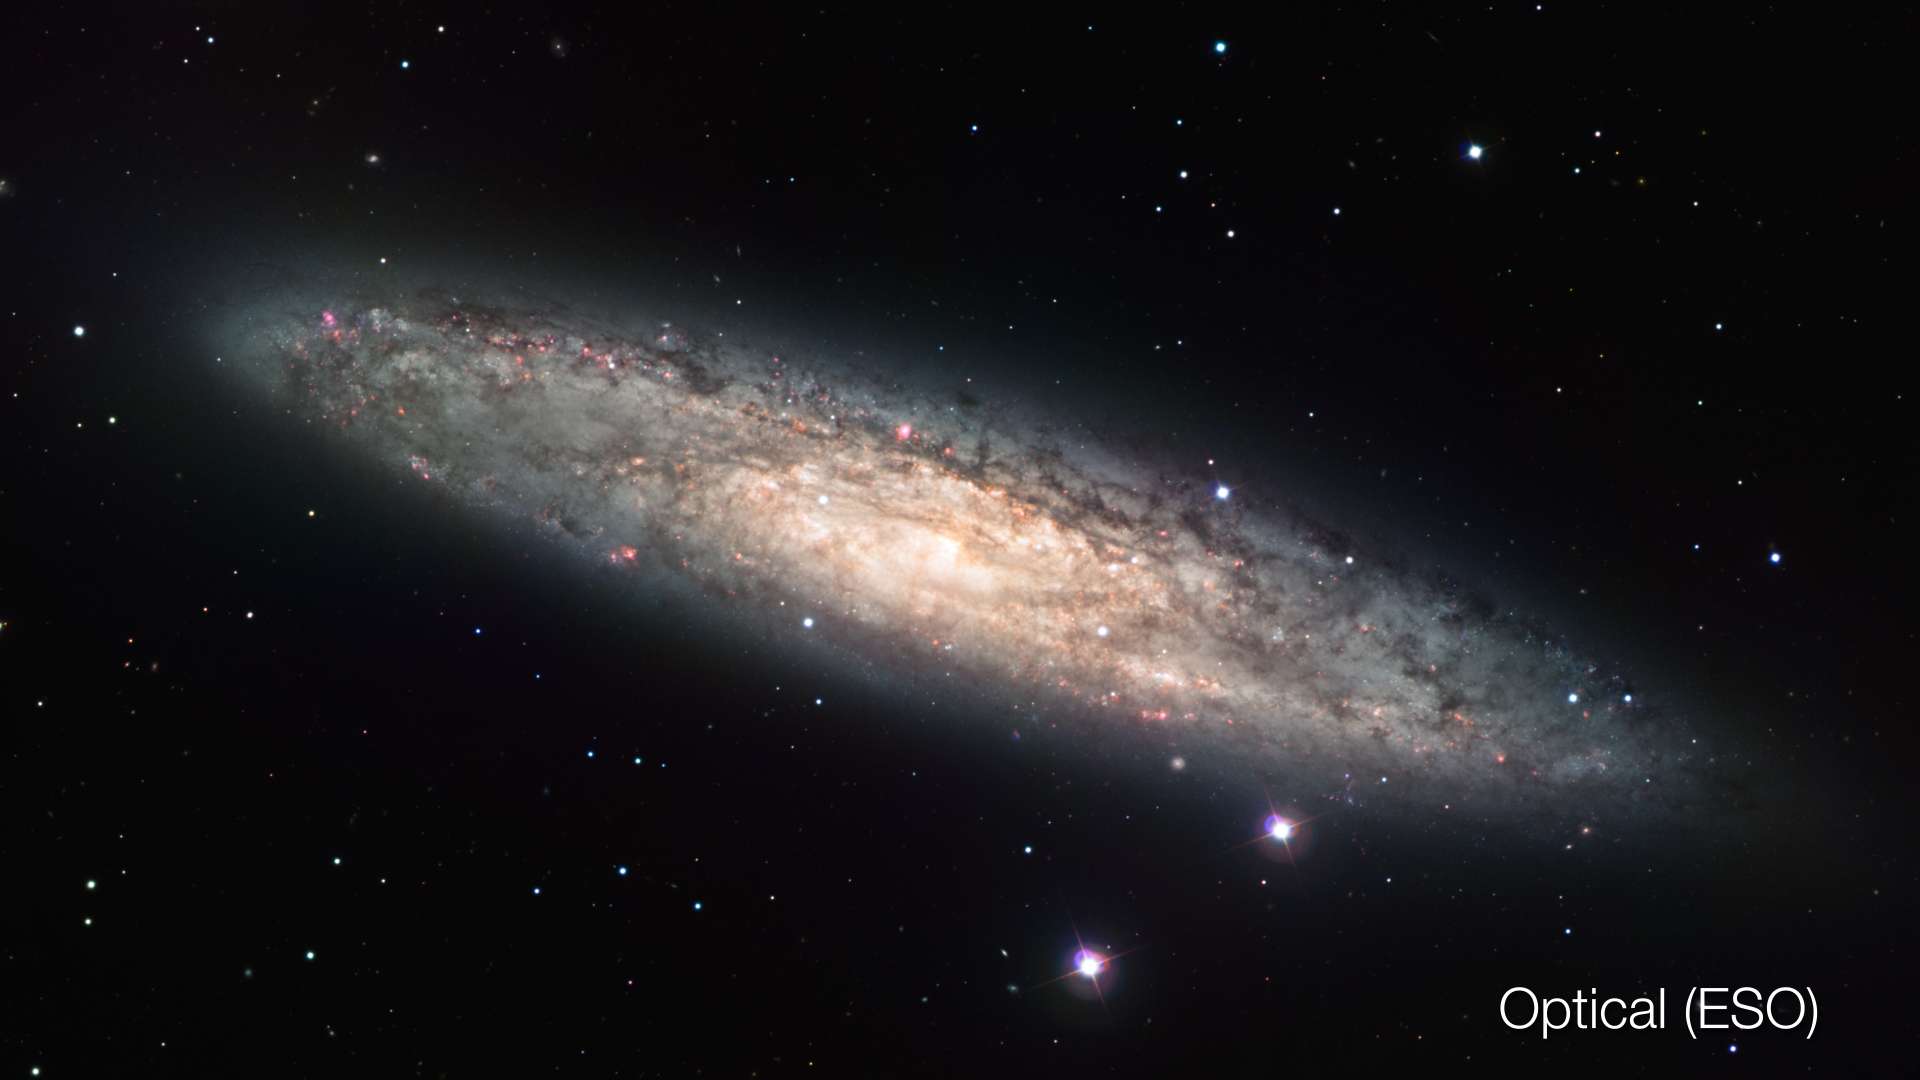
(1050, 573)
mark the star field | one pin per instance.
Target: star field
(1035, 595)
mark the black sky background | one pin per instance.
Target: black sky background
(229, 658)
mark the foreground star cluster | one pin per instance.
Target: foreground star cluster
(1025, 559)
